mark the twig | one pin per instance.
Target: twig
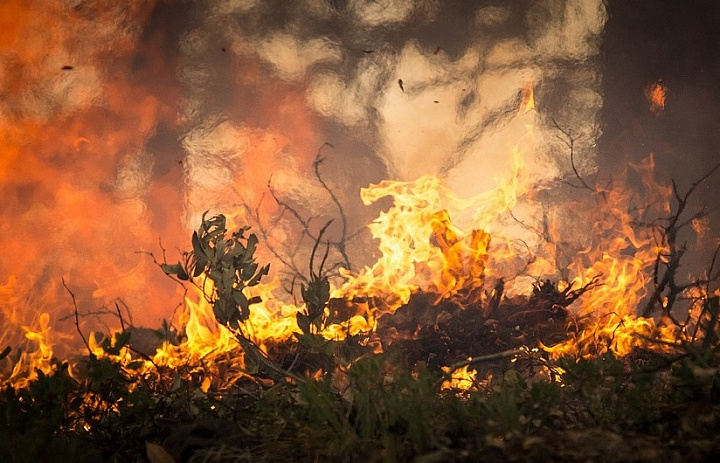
(314, 250)
(340, 244)
(287, 207)
(77, 319)
(570, 143)
(122, 322)
(288, 263)
(251, 348)
(667, 289)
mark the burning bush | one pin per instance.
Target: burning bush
(432, 354)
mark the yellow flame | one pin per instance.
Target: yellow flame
(422, 248)
(461, 379)
(429, 240)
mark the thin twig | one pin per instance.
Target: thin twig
(77, 319)
(667, 289)
(122, 322)
(340, 245)
(570, 143)
(314, 250)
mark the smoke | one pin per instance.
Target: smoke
(78, 179)
(122, 122)
(404, 88)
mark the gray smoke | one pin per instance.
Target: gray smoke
(400, 89)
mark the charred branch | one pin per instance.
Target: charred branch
(666, 287)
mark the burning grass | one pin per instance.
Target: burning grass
(472, 337)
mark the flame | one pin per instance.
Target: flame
(655, 93)
(430, 240)
(90, 140)
(75, 121)
(527, 103)
(422, 250)
(421, 247)
(461, 379)
(618, 265)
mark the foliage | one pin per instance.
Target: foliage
(375, 410)
(228, 262)
(316, 295)
(118, 406)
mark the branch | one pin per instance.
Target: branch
(667, 288)
(77, 319)
(340, 245)
(570, 143)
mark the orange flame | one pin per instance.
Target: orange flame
(655, 94)
(527, 102)
(430, 240)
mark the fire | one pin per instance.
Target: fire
(73, 140)
(421, 246)
(527, 103)
(435, 242)
(462, 379)
(466, 250)
(655, 94)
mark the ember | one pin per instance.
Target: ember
(655, 94)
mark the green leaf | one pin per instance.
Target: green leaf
(182, 274)
(248, 270)
(198, 249)
(240, 299)
(122, 338)
(201, 264)
(252, 242)
(256, 279)
(171, 269)
(222, 310)
(227, 280)
(303, 322)
(216, 276)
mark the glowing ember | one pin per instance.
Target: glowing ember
(655, 94)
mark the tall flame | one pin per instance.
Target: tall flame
(421, 246)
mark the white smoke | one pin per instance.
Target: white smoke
(419, 109)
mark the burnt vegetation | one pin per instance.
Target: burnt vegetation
(310, 398)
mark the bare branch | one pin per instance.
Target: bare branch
(570, 143)
(340, 244)
(667, 289)
(77, 319)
